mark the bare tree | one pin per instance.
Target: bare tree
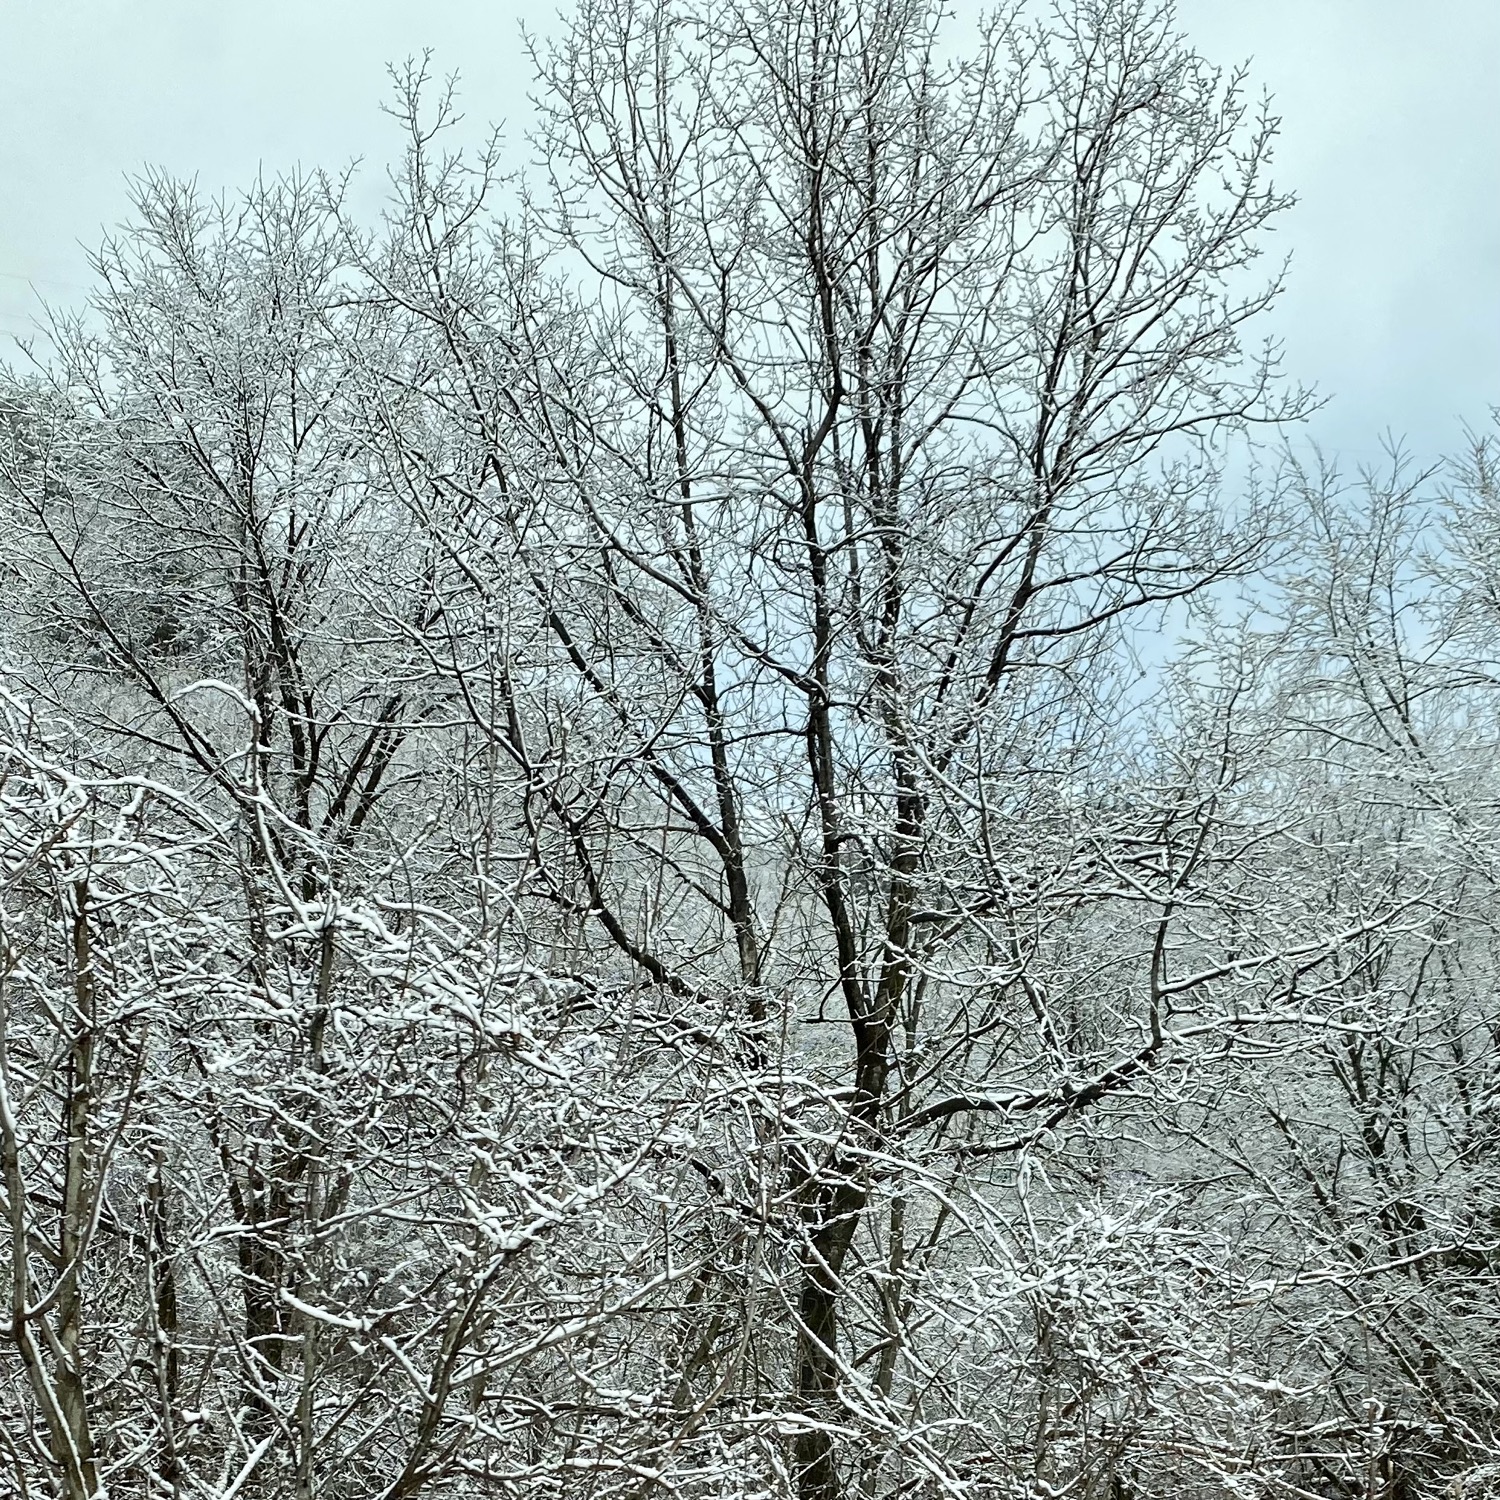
(825, 420)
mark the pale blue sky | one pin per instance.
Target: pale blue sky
(1391, 110)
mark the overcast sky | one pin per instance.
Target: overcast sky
(1391, 126)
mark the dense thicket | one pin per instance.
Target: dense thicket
(611, 884)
